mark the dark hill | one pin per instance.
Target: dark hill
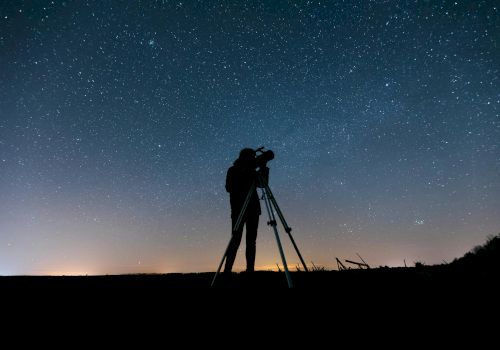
(482, 259)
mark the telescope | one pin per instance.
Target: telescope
(264, 157)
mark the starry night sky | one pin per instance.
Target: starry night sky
(119, 119)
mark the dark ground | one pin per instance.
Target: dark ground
(422, 278)
(418, 299)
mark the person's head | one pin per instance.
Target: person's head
(247, 157)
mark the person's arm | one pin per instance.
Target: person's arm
(230, 180)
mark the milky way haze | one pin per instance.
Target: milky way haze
(118, 121)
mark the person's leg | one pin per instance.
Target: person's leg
(233, 246)
(252, 224)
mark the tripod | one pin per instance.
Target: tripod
(262, 182)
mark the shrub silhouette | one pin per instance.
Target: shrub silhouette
(419, 265)
(317, 268)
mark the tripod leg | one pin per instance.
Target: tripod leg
(244, 208)
(221, 263)
(272, 222)
(287, 228)
(235, 228)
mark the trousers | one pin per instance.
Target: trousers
(251, 222)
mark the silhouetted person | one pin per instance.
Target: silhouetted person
(239, 180)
